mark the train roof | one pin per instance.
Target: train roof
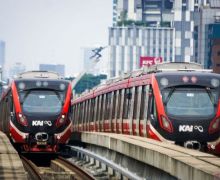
(142, 76)
(39, 75)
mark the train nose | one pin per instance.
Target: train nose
(41, 136)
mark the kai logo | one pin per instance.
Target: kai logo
(41, 123)
(190, 128)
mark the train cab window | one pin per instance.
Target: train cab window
(127, 103)
(190, 101)
(38, 101)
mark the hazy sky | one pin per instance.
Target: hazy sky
(53, 31)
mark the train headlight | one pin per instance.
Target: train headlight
(215, 82)
(164, 81)
(166, 124)
(61, 120)
(214, 126)
(22, 119)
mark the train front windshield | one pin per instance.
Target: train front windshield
(188, 101)
(41, 96)
(41, 101)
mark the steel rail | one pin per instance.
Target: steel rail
(107, 162)
(74, 168)
(32, 169)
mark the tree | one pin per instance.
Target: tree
(88, 81)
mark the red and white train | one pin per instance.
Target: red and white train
(36, 112)
(175, 102)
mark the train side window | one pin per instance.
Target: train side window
(82, 115)
(0, 108)
(135, 102)
(78, 112)
(1, 114)
(86, 110)
(144, 101)
(74, 112)
(127, 103)
(11, 110)
(5, 107)
(107, 105)
(97, 108)
(119, 103)
(92, 109)
(102, 106)
(114, 104)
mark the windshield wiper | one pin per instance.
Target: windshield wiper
(169, 95)
(210, 95)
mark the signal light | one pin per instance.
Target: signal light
(166, 124)
(214, 126)
(185, 79)
(61, 120)
(22, 119)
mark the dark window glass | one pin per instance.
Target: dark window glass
(198, 102)
(41, 101)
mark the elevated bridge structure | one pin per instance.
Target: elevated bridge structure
(151, 159)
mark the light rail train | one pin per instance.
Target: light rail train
(36, 112)
(174, 102)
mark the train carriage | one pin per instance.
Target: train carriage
(36, 111)
(174, 102)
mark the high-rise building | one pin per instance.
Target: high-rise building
(183, 23)
(16, 69)
(207, 21)
(2, 53)
(213, 47)
(59, 68)
(129, 44)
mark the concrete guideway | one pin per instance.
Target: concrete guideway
(179, 162)
(11, 166)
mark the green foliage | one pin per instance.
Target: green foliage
(165, 24)
(69, 78)
(88, 81)
(131, 22)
